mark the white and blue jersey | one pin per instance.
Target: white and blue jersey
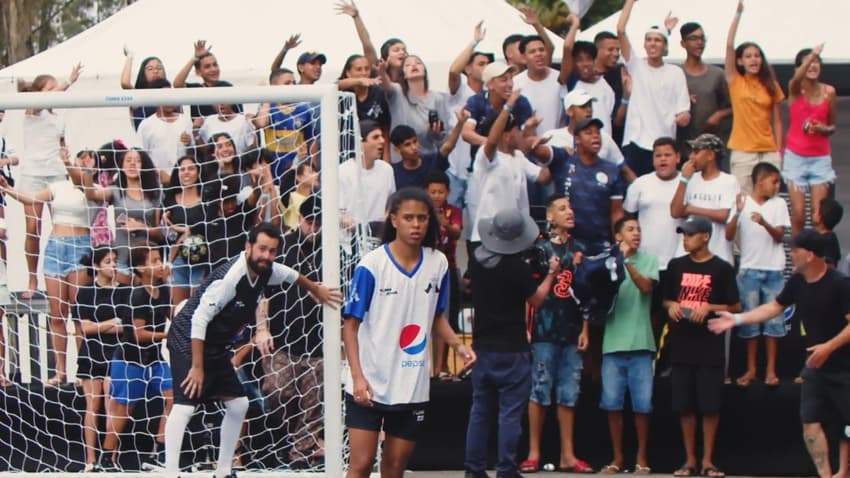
(396, 310)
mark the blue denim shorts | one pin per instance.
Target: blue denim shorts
(62, 255)
(558, 367)
(131, 382)
(185, 275)
(759, 287)
(806, 171)
(627, 370)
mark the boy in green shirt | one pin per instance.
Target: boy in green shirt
(628, 347)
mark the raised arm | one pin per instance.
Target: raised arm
(451, 140)
(350, 9)
(292, 42)
(126, 71)
(72, 78)
(201, 49)
(730, 67)
(625, 46)
(800, 72)
(463, 57)
(386, 83)
(42, 196)
(567, 55)
(530, 17)
(499, 126)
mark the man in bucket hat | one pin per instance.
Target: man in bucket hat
(501, 380)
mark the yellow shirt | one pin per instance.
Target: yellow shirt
(290, 214)
(752, 107)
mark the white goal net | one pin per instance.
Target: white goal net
(148, 175)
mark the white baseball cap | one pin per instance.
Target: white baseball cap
(577, 97)
(495, 70)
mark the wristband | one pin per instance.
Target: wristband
(508, 108)
(626, 260)
(738, 15)
(684, 180)
(474, 43)
(624, 101)
(737, 319)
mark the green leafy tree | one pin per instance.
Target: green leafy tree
(553, 13)
(28, 27)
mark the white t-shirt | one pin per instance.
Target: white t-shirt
(161, 139)
(461, 157)
(238, 127)
(546, 97)
(608, 150)
(396, 310)
(650, 196)
(42, 133)
(363, 193)
(603, 107)
(499, 184)
(658, 95)
(68, 204)
(758, 249)
(718, 193)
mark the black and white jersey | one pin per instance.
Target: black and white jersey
(223, 305)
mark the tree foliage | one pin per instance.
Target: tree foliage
(28, 27)
(553, 13)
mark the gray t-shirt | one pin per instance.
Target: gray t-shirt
(126, 207)
(709, 93)
(413, 111)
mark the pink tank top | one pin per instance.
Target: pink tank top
(800, 142)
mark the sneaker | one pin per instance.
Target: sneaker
(509, 474)
(475, 474)
(108, 465)
(155, 460)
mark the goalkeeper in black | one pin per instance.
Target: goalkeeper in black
(200, 337)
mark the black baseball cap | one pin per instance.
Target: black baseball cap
(695, 225)
(310, 56)
(810, 240)
(587, 122)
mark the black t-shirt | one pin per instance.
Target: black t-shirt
(226, 236)
(155, 313)
(498, 297)
(99, 304)
(197, 217)
(693, 284)
(201, 111)
(295, 320)
(832, 249)
(416, 177)
(374, 107)
(823, 307)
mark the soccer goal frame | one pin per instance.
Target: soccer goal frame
(327, 96)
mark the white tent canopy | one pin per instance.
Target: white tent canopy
(780, 27)
(246, 35)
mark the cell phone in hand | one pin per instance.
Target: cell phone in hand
(433, 117)
(687, 312)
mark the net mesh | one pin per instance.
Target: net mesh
(245, 164)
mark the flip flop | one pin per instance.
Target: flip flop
(56, 381)
(713, 472)
(685, 470)
(771, 381)
(580, 466)
(744, 381)
(642, 470)
(610, 469)
(529, 466)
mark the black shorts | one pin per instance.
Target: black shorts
(220, 380)
(89, 369)
(697, 389)
(404, 423)
(825, 397)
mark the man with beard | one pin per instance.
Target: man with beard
(290, 340)
(201, 336)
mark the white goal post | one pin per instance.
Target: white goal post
(327, 96)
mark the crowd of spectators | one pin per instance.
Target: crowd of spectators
(674, 169)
